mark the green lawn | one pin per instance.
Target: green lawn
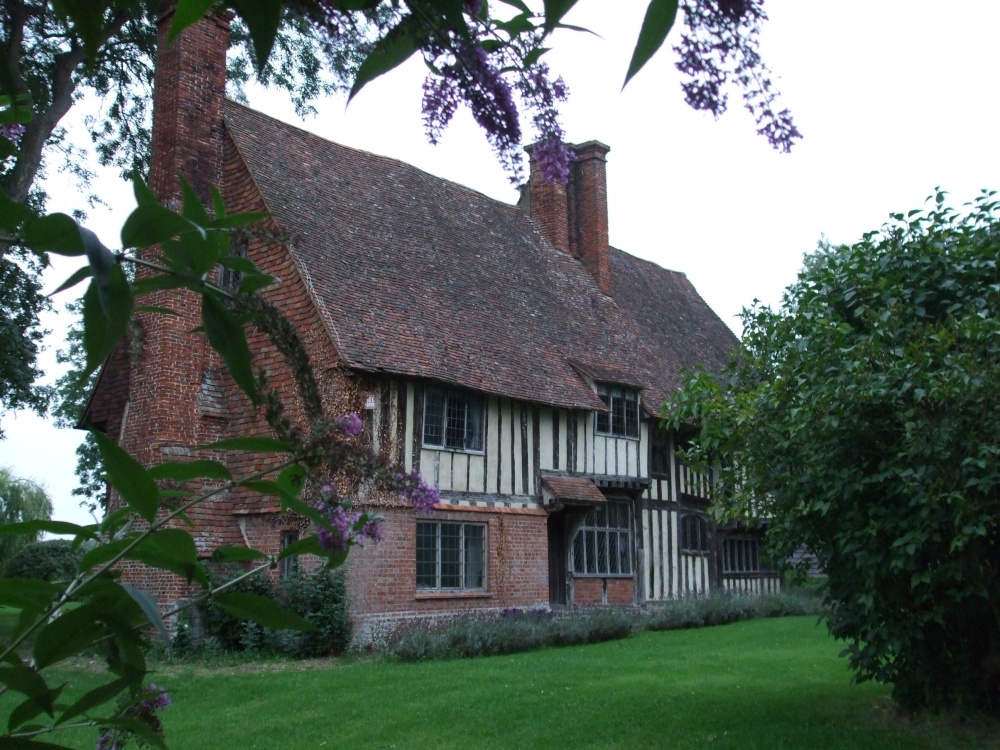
(761, 684)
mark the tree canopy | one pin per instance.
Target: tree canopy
(861, 419)
(21, 500)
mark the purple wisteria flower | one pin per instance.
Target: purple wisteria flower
(719, 45)
(350, 424)
(154, 699)
(336, 538)
(12, 131)
(413, 487)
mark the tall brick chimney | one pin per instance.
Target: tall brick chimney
(162, 419)
(574, 216)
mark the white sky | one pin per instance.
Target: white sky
(894, 98)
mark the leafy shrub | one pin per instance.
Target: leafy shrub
(722, 608)
(320, 597)
(510, 631)
(51, 560)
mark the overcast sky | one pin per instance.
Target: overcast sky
(894, 98)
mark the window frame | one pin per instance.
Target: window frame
(455, 404)
(741, 555)
(599, 529)
(462, 561)
(230, 278)
(694, 528)
(618, 422)
(289, 566)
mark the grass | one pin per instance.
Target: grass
(762, 684)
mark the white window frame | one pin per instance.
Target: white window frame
(616, 422)
(465, 551)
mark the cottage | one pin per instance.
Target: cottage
(508, 352)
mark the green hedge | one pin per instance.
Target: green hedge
(320, 597)
(514, 630)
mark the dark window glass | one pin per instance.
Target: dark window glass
(453, 419)
(451, 556)
(603, 544)
(290, 565)
(623, 419)
(230, 278)
(694, 534)
(743, 555)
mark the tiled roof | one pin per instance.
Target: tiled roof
(574, 490)
(418, 276)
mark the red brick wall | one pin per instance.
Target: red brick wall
(591, 591)
(382, 579)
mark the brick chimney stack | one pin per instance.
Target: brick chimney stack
(574, 217)
(188, 90)
(162, 419)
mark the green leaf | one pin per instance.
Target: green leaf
(23, 743)
(12, 213)
(72, 281)
(29, 682)
(395, 48)
(51, 527)
(27, 593)
(262, 611)
(262, 18)
(173, 550)
(306, 546)
(660, 17)
(54, 233)
(261, 444)
(140, 189)
(232, 553)
(226, 336)
(67, 635)
(187, 13)
(185, 471)
(292, 479)
(150, 224)
(251, 283)
(139, 728)
(94, 698)
(107, 309)
(102, 553)
(149, 608)
(133, 482)
(554, 12)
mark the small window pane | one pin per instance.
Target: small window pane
(434, 417)
(451, 558)
(474, 424)
(475, 556)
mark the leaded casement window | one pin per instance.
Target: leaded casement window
(230, 278)
(622, 419)
(290, 565)
(743, 555)
(451, 556)
(694, 535)
(453, 419)
(659, 452)
(603, 545)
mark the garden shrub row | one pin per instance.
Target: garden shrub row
(515, 630)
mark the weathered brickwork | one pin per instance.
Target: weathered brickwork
(593, 591)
